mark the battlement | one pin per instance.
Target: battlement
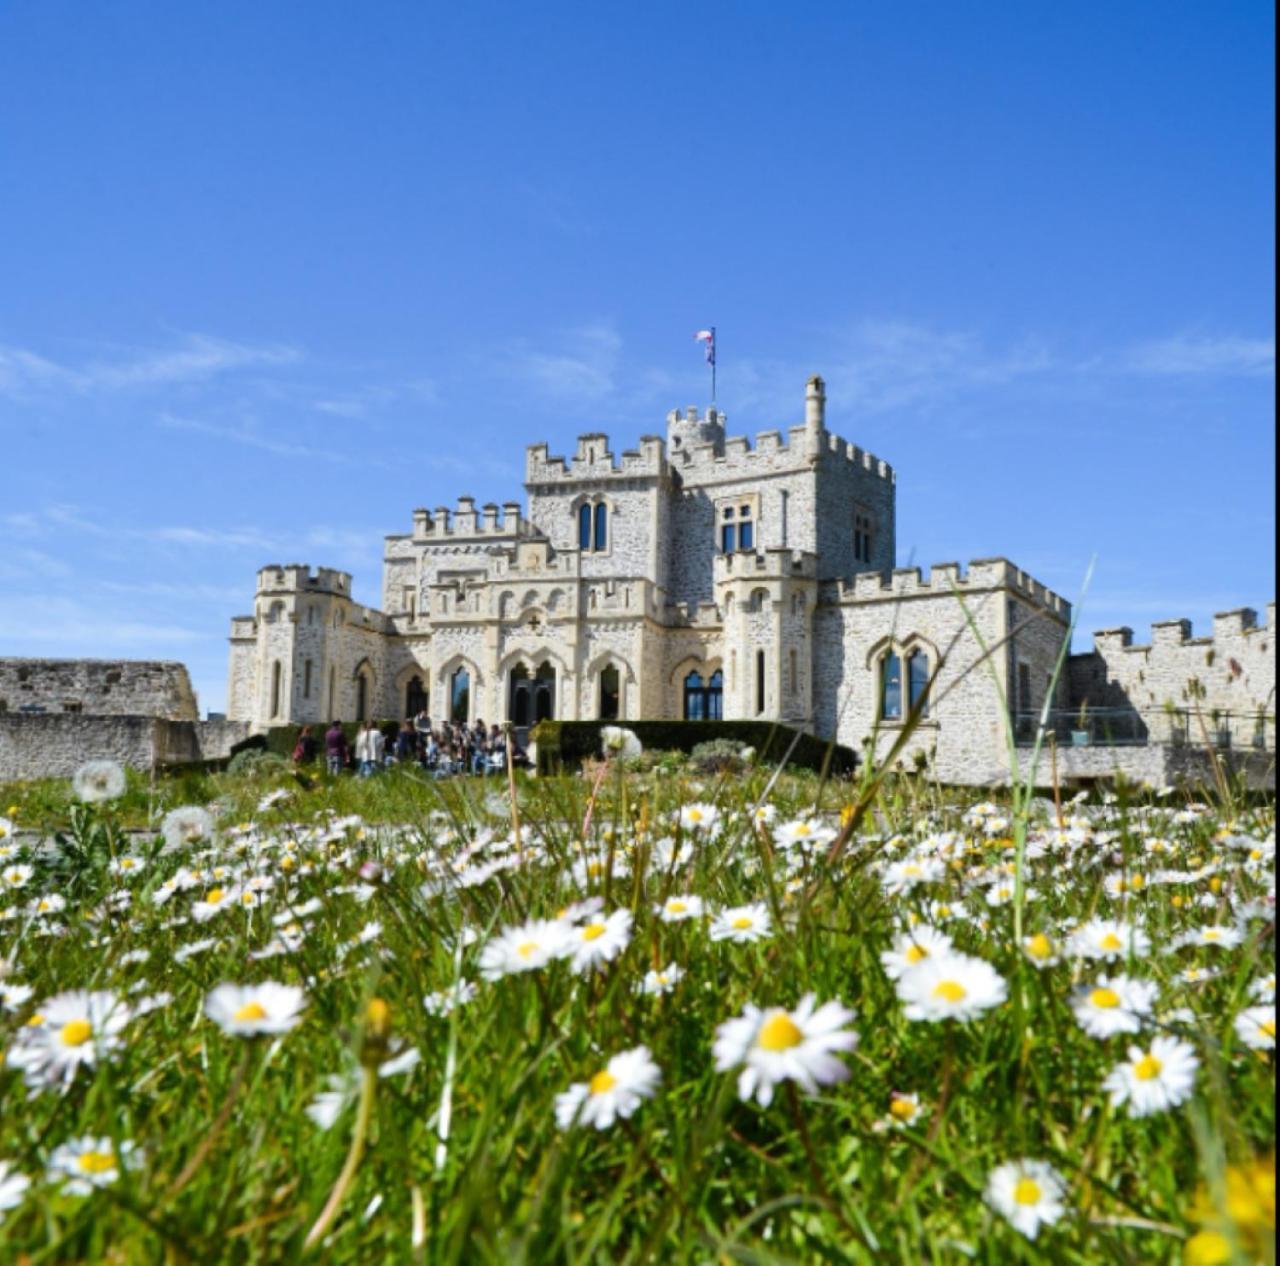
(766, 564)
(983, 574)
(491, 522)
(1241, 622)
(773, 454)
(594, 460)
(301, 578)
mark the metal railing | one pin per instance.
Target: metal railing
(1135, 727)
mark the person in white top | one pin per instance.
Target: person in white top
(370, 748)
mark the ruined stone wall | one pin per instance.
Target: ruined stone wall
(98, 687)
(1231, 673)
(55, 745)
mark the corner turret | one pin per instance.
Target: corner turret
(688, 430)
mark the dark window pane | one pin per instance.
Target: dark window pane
(917, 677)
(891, 689)
(609, 691)
(602, 526)
(584, 528)
(727, 538)
(746, 535)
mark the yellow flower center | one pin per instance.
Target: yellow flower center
(36, 1021)
(215, 895)
(695, 815)
(1208, 1248)
(915, 953)
(248, 898)
(676, 907)
(251, 1011)
(1147, 1068)
(802, 829)
(95, 1162)
(911, 870)
(902, 1109)
(603, 1081)
(76, 1032)
(126, 863)
(950, 991)
(1268, 1027)
(526, 950)
(592, 931)
(1213, 935)
(742, 922)
(1105, 998)
(1111, 942)
(1039, 946)
(779, 1033)
(1027, 1192)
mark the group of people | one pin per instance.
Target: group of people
(444, 749)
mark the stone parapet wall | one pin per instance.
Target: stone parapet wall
(55, 745)
(98, 687)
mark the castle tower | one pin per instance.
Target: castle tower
(687, 430)
(286, 659)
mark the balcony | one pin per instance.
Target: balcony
(1134, 727)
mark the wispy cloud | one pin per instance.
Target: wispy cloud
(248, 437)
(582, 366)
(1223, 355)
(35, 623)
(195, 358)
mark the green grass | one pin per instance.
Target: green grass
(695, 1175)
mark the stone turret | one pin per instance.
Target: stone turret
(815, 409)
(690, 429)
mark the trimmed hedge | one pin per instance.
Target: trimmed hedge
(566, 744)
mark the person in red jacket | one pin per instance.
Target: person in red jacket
(335, 748)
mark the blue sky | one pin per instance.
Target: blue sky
(273, 275)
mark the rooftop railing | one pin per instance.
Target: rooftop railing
(1134, 727)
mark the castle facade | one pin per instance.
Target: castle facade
(699, 576)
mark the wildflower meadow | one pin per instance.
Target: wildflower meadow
(645, 1013)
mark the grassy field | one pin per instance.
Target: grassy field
(1048, 1019)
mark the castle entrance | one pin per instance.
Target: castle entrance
(531, 699)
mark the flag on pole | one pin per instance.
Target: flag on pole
(709, 338)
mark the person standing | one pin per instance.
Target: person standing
(335, 748)
(304, 751)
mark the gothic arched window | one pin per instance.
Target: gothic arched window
(602, 528)
(695, 698)
(584, 528)
(460, 696)
(715, 696)
(891, 687)
(415, 697)
(917, 680)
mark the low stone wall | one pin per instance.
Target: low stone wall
(54, 745)
(1160, 764)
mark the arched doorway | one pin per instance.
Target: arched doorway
(531, 699)
(416, 698)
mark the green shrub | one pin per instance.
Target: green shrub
(566, 744)
(718, 756)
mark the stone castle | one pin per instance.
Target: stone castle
(702, 576)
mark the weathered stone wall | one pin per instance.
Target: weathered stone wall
(54, 745)
(98, 687)
(1231, 673)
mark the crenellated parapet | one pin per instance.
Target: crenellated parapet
(593, 460)
(765, 564)
(301, 578)
(1228, 627)
(982, 575)
(774, 452)
(465, 523)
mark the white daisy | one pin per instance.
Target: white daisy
(676, 909)
(904, 875)
(215, 901)
(1041, 950)
(1109, 939)
(802, 833)
(1114, 1004)
(443, 1001)
(1256, 1027)
(599, 942)
(16, 876)
(524, 948)
(777, 1045)
(664, 981)
(742, 923)
(74, 1029)
(1217, 936)
(248, 1010)
(98, 780)
(14, 995)
(912, 947)
(85, 1163)
(698, 817)
(1154, 1080)
(13, 1187)
(1028, 1193)
(617, 1090)
(950, 987)
(904, 1110)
